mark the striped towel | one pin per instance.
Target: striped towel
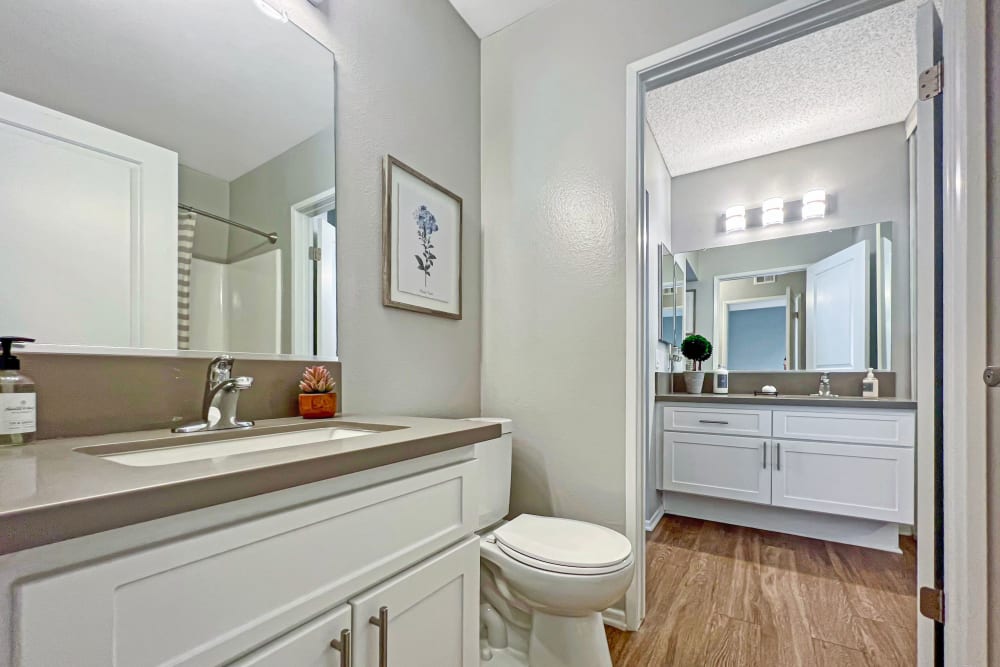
(185, 250)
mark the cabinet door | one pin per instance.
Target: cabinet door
(866, 481)
(431, 616)
(717, 465)
(309, 645)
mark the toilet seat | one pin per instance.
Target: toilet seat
(564, 546)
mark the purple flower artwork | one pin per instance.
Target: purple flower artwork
(426, 226)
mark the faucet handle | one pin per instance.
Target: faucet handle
(220, 369)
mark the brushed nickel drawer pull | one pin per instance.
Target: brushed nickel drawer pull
(778, 458)
(713, 421)
(382, 622)
(344, 646)
(764, 450)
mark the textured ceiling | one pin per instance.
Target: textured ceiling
(851, 77)
(214, 80)
(486, 17)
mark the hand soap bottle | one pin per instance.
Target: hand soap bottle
(17, 397)
(869, 386)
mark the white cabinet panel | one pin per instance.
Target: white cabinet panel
(204, 599)
(717, 419)
(854, 480)
(308, 646)
(432, 612)
(717, 465)
(872, 427)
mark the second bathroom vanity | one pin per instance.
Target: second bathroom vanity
(839, 469)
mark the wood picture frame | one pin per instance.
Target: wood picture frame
(414, 276)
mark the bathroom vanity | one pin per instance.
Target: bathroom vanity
(839, 469)
(335, 551)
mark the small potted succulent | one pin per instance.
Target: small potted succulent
(698, 349)
(318, 399)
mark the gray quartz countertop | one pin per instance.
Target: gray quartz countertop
(792, 401)
(53, 490)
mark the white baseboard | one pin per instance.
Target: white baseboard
(615, 618)
(655, 519)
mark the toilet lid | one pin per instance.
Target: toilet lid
(564, 542)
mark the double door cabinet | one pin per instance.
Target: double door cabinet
(383, 576)
(849, 462)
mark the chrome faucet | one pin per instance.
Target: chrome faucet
(824, 384)
(222, 393)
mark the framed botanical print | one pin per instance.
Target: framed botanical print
(421, 243)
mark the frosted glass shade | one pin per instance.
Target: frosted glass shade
(774, 211)
(736, 219)
(814, 204)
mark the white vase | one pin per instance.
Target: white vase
(694, 380)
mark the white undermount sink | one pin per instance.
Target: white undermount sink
(211, 450)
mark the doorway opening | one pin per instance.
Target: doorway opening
(871, 312)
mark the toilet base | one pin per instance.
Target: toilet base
(568, 641)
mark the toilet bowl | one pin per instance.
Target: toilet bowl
(559, 572)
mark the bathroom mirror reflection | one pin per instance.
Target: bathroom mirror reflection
(832, 300)
(167, 177)
(673, 323)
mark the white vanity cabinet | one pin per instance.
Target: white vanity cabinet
(274, 589)
(845, 463)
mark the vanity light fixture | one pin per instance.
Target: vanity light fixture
(814, 204)
(736, 219)
(774, 211)
(270, 11)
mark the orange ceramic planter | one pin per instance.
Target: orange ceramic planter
(318, 406)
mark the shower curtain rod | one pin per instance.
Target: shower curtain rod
(272, 237)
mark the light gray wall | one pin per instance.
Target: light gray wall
(554, 239)
(736, 290)
(866, 173)
(209, 193)
(408, 75)
(263, 198)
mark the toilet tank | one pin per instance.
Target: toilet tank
(493, 458)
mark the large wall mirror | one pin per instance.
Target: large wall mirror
(832, 300)
(167, 174)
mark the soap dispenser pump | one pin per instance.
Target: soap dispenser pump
(869, 386)
(17, 397)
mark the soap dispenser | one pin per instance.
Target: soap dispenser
(17, 397)
(869, 386)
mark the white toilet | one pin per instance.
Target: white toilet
(545, 580)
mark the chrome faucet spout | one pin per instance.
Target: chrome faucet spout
(222, 392)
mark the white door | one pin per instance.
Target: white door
(837, 311)
(722, 466)
(871, 482)
(309, 645)
(428, 616)
(95, 213)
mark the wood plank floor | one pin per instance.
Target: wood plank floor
(738, 597)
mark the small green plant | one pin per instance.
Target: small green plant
(697, 349)
(316, 380)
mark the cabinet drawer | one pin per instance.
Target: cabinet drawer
(717, 419)
(894, 428)
(853, 480)
(205, 599)
(308, 646)
(722, 466)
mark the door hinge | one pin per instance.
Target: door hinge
(991, 376)
(930, 81)
(932, 603)
(316, 254)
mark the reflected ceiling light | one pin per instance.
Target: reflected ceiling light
(774, 211)
(270, 11)
(736, 219)
(814, 204)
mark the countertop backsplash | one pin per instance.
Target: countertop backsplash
(90, 394)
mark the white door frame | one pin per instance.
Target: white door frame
(302, 214)
(964, 277)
